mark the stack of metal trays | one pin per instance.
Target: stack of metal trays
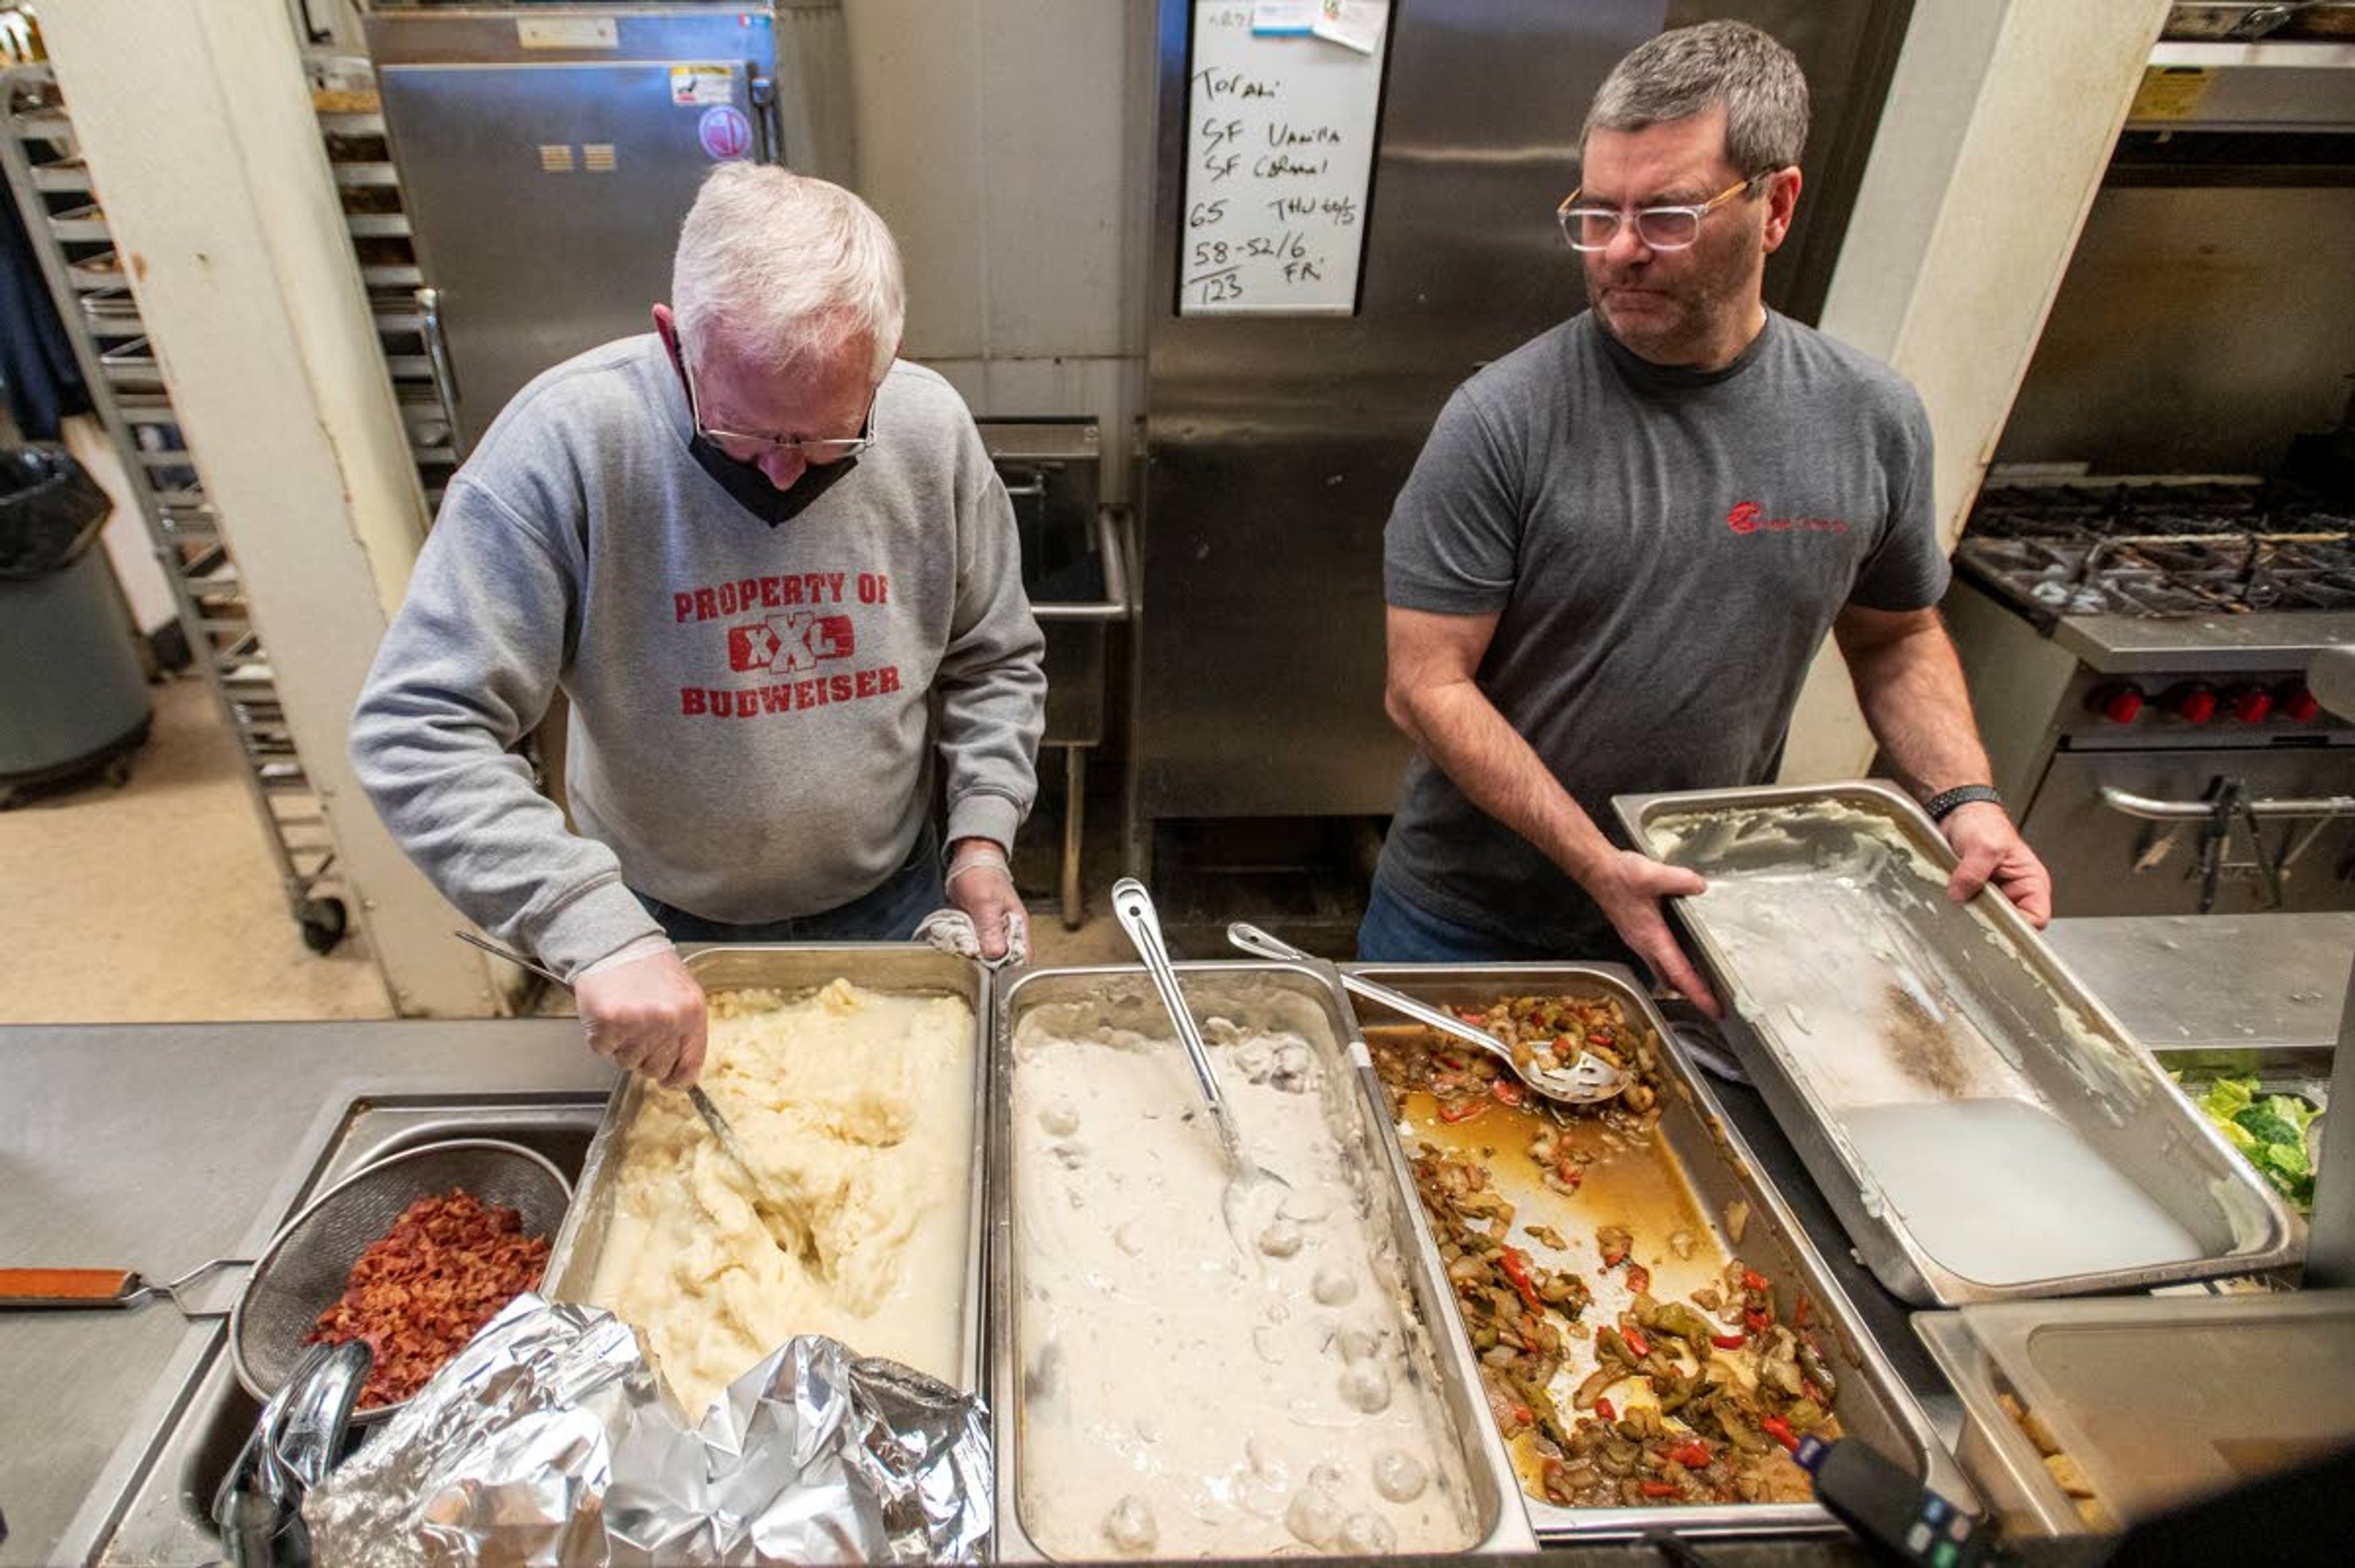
(2083, 1415)
(1056, 1200)
(1984, 1128)
(893, 968)
(1702, 1180)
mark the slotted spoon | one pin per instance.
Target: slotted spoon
(1249, 1184)
(1588, 1081)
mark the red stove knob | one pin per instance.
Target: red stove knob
(2191, 702)
(2250, 704)
(2296, 704)
(2119, 704)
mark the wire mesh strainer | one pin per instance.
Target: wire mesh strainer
(307, 1263)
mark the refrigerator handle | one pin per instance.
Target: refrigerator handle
(768, 137)
(437, 355)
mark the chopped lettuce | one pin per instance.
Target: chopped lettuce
(2239, 1136)
(2287, 1158)
(2227, 1097)
(2268, 1125)
(2269, 1130)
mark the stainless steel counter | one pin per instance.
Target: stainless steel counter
(2263, 640)
(2205, 982)
(156, 1147)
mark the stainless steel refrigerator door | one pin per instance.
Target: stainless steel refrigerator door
(544, 202)
(547, 155)
(1276, 444)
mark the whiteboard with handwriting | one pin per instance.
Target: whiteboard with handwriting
(1279, 150)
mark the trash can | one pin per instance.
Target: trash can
(73, 696)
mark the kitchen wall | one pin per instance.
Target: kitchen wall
(1950, 263)
(1008, 147)
(2198, 329)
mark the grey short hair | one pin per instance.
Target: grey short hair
(1680, 74)
(786, 267)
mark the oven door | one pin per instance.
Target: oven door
(2106, 859)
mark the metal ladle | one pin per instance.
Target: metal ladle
(1588, 1081)
(799, 1238)
(258, 1506)
(1248, 1182)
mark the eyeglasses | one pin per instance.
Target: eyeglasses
(1659, 228)
(752, 448)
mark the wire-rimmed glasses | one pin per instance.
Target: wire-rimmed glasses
(746, 448)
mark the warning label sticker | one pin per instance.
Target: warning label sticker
(698, 85)
(2172, 91)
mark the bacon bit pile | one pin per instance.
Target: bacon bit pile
(422, 1288)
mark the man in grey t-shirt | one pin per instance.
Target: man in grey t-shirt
(1624, 541)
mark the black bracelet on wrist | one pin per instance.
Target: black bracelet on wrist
(1944, 803)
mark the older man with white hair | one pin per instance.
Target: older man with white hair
(774, 569)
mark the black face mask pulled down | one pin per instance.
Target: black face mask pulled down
(751, 489)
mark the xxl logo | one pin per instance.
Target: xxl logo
(785, 643)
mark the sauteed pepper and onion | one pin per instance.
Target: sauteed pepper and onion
(1674, 1401)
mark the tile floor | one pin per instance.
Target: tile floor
(159, 901)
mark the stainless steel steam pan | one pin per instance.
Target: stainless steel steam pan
(1873, 1406)
(1238, 989)
(1934, 1002)
(893, 967)
(2158, 1398)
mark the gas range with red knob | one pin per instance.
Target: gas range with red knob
(2171, 758)
(2274, 704)
(2191, 701)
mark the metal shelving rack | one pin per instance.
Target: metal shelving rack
(52, 188)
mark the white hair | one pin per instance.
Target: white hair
(786, 269)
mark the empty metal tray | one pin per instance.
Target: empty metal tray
(1984, 1128)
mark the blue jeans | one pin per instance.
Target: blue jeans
(1398, 931)
(888, 913)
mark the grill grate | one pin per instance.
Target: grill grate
(2161, 549)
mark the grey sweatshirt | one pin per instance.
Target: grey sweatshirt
(759, 715)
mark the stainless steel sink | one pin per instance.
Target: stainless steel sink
(165, 1515)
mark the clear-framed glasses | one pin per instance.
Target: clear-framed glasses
(746, 448)
(1659, 228)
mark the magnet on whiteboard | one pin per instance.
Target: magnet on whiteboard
(1353, 24)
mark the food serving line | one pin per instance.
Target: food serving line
(118, 1419)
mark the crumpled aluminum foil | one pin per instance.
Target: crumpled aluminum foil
(548, 1440)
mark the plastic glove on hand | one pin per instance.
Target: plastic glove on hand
(953, 930)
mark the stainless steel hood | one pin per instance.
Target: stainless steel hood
(2267, 86)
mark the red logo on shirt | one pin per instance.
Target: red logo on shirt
(792, 644)
(787, 643)
(1749, 517)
